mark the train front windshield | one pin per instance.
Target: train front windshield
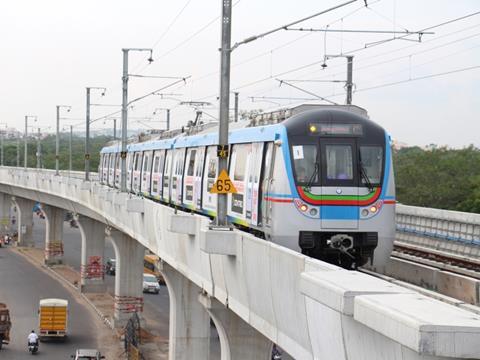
(331, 160)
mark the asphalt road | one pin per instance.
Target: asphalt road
(156, 307)
(22, 285)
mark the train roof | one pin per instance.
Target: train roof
(262, 127)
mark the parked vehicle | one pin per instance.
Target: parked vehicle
(53, 318)
(150, 283)
(110, 267)
(5, 325)
(87, 354)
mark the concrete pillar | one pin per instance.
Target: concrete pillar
(25, 221)
(129, 255)
(189, 333)
(54, 218)
(92, 271)
(238, 340)
(5, 203)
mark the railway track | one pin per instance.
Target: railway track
(446, 261)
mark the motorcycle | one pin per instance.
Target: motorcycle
(32, 348)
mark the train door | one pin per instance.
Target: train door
(157, 174)
(268, 165)
(167, 175)
(118, 170)
(177, 176)
(137, 169)
(197, 188)
(111, 170)
(253, 183)
(129, 170)
(239, 172)
(189, 183)
(146, 172)
(105, 169)
(209, 200)
(339, 179)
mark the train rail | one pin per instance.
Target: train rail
(463, 265)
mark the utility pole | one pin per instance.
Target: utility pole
(168, 119)
(26, 149)
(87, 138)
(57, 139)
(123, 153)
(236, 106)
(18, 151)
(349, 83)
(1, 145)
(225, 52)
(57, 142)
(70, 150)
(114, 129)
(87, 131)
(39, 151)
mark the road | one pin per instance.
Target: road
(22, 285)
(156, 307)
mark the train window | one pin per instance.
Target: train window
(156, 164)
(240, 162)
(372, 163)
(339, 162)
(138, 164)
(146, 164)
(305, 163)
(191, 162)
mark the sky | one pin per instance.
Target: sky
(422, 93)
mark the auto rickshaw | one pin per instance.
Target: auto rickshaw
(5, 325)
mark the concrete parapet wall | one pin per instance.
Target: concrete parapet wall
(311, 309)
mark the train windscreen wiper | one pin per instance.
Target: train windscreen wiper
(363, 172)
(312, 178)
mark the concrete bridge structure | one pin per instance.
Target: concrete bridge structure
(256, 293)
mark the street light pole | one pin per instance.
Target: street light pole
(114, 129)
(168, 119)
(225, 52)
(123, 154)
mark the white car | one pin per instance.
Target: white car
(150, 284)
(87, 354)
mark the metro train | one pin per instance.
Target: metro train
(317, 179)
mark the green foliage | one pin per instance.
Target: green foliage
(48, 152)
(440, 178)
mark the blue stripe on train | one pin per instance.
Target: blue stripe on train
(339, 212)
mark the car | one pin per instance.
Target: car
(87, 354)
(150, 283)
(110, 266)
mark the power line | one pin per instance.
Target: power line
(418, 78)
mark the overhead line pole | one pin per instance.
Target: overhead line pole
(225, 53)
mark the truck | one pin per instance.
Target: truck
(5, 325)
(53, 318)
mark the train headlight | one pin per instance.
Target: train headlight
(313, 211)
(313, 128)
(303, 207)
(373, 209)
(364, 212)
